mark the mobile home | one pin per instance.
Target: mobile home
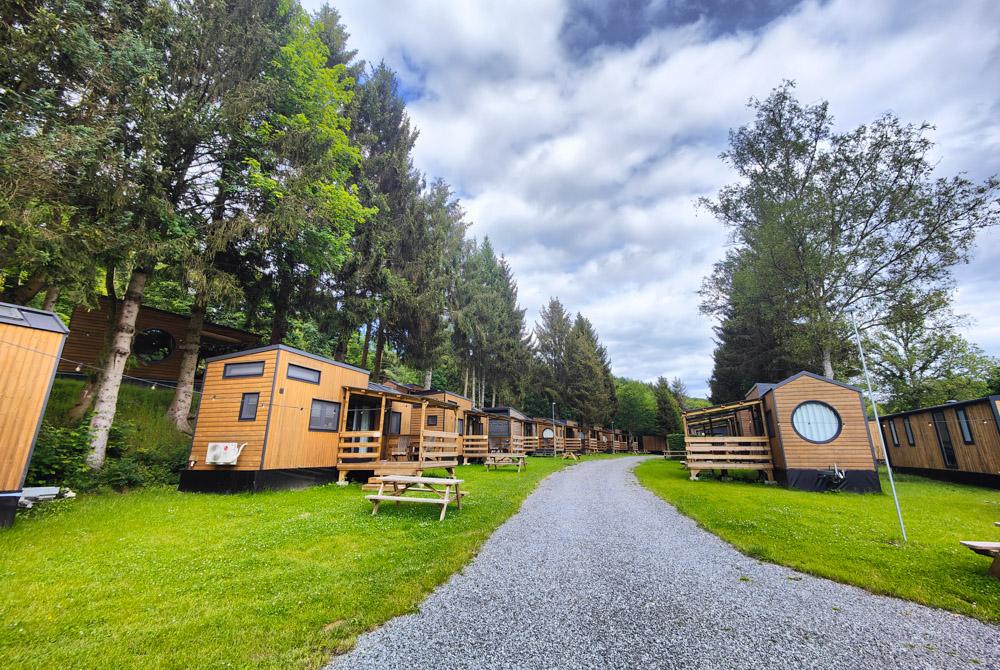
(957, 441)
(31, 343)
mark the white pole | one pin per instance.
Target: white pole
(553, 430)
(878, 425)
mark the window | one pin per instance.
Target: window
(153, 345)
(324, 416)
(816, 422)
(461, 426)
(253, 369)
(892, 431)
(248, 407)
(499, 428)
(395, 422)
(909, 432)
(964, 425)
(432, 420)
(303, 374)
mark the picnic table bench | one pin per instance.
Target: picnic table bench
(434, 490)
(497, 459)
(991, 549)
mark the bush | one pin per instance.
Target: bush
(675, 441)
(60, 456)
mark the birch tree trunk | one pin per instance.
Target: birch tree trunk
(180, 405)
(827, 362)
(473, 394)
(428, 373)
(51, 295)
(493, 403)
(106, 396)
(379, 351)
(465, 385)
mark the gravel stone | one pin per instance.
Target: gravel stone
(597, 572)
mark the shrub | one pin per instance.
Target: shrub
(675, 441)
(60, 456)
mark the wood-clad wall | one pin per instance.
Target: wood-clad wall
(88, 329)
(219, 412)
(983, 456)
(290, 443)
(28, 358)
(850, 450)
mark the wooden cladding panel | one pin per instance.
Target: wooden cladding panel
(850, 450)
(88, 329)
(27, 360)
(219, 411)
(290, 443)
(982, 456)
(774, 431)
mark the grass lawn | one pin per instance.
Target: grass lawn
(160, 579)
(853, 538)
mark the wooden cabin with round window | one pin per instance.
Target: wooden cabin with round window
(957, 441)
(279, 417)
(807, 432)
(31, 342)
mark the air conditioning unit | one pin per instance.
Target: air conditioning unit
(223, 453)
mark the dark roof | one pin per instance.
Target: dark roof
(761, 389)
(237, 333)
(919, 410)
(424, 391)
(767, 388)
(372, 386)
(509, 411)
(284, 347)
(28, 317)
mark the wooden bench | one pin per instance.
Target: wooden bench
(497, 459)
(444, 490)
(991, 549)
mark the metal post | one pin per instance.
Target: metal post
(553, 430)
(881, 438)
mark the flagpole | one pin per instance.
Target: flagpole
(881, 438)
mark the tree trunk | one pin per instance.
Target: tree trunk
(368, 341)
(827, 362)
(106, 396)
(379, 350)
(465, 384)
(428, 374)
(279, 320)
(340, 352)
(51, 295)
(493, 403)
(473, 394)
(180, 406)
(23, 293)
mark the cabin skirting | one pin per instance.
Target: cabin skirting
(241, 481)
(956, 476)
(857, 481)
(8, 508)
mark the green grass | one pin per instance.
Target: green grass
(160, 579)
(853, 538)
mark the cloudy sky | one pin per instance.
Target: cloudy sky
(579, 133)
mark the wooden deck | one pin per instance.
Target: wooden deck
(728, 453)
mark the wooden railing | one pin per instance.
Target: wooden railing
(530, 444)
(728, 453)
(438, 445)
(360, 446)
(475, 446)
(573, 444)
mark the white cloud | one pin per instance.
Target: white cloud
(585, 172)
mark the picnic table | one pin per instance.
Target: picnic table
(990, 549)
(499, 458)
(434, 490)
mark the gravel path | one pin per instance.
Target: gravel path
(596, 572)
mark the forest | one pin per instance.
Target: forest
(241, 164)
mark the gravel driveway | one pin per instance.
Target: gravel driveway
(596, 572)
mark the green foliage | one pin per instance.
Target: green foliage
(675, 442)
(280, 579)
(636, 407)
(668, 412)
(815, 242)
(59, 458)
(852, 538)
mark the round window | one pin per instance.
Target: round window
(153, 345)
(816, 421)
(547, 434)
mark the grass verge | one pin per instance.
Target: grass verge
(853, 538)
(160, 579)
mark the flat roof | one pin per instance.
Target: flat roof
(285, 347)
(29, 317)
(933, 408)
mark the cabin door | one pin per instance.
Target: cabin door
(944, 439)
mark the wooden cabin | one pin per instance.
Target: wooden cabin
(156, 348)
(532, 435)
(957, 441)
(278, 417)
(31, 342)
(469, 422)
(551, 436)
(575, 436)
(506, 429)
(808, 432)
(654, 444)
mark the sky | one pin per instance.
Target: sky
(579, 134)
